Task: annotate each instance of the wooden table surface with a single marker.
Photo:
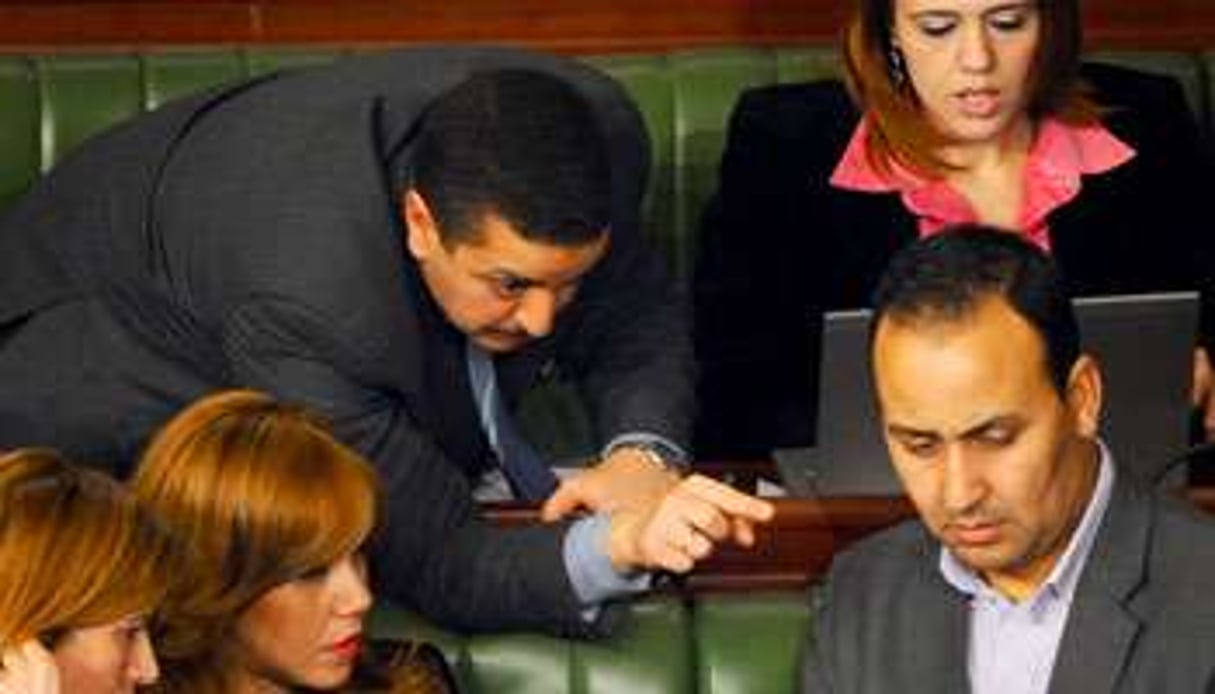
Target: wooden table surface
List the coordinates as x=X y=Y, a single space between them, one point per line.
x=797 y=547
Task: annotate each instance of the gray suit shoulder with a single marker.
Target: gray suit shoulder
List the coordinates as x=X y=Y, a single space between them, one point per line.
x=1183 y=547
x=896 y=545
x=880 y=567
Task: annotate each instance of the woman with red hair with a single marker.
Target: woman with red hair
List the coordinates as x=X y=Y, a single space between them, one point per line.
x=952 y=111
x=82 y=568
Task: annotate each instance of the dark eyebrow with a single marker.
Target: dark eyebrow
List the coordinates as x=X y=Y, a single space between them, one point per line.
x=522 y=282
x=905 y=431
x=1010 y=6
x=973 y=432
x=942 y=14
x=502 y=275
x=1008 y=420
x=951 y=14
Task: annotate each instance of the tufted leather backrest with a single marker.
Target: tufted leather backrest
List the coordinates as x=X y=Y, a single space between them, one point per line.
x=49 y=103
x=716 y=644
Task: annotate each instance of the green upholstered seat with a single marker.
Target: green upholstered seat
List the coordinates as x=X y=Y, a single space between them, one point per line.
x=724 y=644
x=50 y=103
x=749 y=644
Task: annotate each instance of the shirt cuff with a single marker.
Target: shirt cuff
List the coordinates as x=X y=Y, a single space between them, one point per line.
x=672 y=455
x=589 y=567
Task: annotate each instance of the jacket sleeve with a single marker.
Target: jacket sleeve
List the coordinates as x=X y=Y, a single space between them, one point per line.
x=629 y=345
x=431 y=553
x=627 y=340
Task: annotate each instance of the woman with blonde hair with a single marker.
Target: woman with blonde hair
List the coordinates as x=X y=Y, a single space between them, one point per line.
x=951 y=112
x=82 y=566
x=273 y=512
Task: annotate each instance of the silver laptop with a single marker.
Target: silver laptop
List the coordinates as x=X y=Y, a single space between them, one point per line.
x=1144 y=343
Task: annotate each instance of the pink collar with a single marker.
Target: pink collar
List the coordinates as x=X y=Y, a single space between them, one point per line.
x=1060 y=156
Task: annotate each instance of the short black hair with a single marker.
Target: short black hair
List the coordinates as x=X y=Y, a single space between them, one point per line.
x=947 y=276
x=521 y=144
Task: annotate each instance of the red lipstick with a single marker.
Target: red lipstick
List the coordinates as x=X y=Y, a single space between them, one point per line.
x=348 y=648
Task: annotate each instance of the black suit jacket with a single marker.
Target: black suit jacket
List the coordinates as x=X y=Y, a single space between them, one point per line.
x=779 y=245
x=250 y=237
x=1141 y=620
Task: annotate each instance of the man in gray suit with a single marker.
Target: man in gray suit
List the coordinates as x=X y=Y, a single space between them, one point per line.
x=1036 y=565
x=403 y=243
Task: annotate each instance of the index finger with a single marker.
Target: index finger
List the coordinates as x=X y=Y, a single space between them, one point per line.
x=728 y=499
x=567 y=499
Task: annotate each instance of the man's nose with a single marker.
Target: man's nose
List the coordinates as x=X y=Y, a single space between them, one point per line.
x=962 y=488
x=536 y=312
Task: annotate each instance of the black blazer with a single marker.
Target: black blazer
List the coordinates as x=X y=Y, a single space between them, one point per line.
x=250 y=237
x=779 y=245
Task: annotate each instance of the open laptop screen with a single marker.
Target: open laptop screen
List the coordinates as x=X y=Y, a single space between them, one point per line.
x=1143 y=343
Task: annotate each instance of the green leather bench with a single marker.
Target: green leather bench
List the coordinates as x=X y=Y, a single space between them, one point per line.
x=722 y=644
x=672 y=643
x=49 y=103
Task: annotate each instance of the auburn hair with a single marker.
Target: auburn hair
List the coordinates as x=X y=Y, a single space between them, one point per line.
x=259 y=493
x=76 y=550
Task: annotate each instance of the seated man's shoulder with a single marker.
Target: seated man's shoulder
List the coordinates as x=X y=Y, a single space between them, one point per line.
x=1184 y=542
x=1173 y=601
x=882 y=560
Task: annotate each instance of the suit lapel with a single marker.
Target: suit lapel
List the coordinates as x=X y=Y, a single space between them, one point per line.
x=435 y=380
x=1102 y=627
x=932 y=653
x=930 y=632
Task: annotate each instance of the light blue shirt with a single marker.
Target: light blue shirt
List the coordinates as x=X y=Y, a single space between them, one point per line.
x=590 y=569
x=1012 y=645
x=587 y=563
x=584 y=548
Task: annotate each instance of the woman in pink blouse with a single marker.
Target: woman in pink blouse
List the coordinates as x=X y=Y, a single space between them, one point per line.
x=953 y=111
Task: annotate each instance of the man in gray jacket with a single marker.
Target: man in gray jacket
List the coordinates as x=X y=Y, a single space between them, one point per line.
x=1036 y=564
x=403 y=243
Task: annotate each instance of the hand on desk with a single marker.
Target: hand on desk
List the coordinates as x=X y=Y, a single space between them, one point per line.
x=627 y=478
x=28 y=669
x=681 y=527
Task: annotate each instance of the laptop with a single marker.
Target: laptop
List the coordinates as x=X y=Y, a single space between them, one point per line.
x=1143 y=342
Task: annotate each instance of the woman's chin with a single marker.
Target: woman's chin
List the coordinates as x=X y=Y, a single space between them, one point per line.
x=326 y=677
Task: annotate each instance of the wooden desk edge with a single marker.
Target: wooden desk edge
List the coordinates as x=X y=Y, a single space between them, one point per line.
x=796 y=549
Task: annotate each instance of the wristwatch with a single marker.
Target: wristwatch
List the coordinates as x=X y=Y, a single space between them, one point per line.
x=657 y=452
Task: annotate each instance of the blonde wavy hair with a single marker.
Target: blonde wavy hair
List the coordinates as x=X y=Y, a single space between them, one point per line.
x=259 y=493
x=76 y=550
